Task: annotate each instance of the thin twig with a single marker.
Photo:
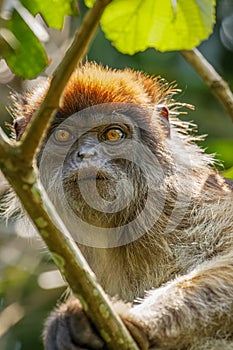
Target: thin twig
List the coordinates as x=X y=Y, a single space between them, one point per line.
x=77 y=50
x=217 y=84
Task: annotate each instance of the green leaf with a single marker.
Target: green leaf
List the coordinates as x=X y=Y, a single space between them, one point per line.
x=165 y=25
x=28 y=58
x=53 y=11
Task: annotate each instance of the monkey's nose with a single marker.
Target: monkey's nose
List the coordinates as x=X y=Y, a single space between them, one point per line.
x=86 y=153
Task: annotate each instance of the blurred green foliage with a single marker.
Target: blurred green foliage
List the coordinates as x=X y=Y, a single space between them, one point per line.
x=24 y=304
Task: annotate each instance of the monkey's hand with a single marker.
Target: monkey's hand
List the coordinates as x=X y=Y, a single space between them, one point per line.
x=68 y=328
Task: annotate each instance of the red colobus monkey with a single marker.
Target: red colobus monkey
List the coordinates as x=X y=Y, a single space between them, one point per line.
x=152 y=217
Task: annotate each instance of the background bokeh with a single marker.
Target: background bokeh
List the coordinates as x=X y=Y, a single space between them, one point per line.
x=28 y=278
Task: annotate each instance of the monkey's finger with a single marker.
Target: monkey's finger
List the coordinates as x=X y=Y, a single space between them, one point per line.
x=138 y=335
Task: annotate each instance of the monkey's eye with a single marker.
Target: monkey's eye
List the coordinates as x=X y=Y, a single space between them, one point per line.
x=63 y=135
x=113 y=135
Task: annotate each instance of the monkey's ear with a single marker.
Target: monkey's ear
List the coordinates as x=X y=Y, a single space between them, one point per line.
x=163 y=113
x=19 y=126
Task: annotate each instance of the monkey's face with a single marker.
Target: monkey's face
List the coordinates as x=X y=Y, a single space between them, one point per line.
x=96 y=164
x=98 y=177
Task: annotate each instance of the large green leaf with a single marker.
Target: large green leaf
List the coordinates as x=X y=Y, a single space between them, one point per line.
x=53 y=11
x=28 y=58
x=165 y=25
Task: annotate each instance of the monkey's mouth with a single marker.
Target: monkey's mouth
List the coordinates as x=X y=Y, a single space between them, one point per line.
x=84 y=182
x=94 y=177
x=85 y=175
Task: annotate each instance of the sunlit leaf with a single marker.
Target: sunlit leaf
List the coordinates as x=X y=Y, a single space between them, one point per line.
x=53 y=11
x=134 y=26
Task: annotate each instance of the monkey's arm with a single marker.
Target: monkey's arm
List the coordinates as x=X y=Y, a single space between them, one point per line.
x=194 y=306
x=191 y=309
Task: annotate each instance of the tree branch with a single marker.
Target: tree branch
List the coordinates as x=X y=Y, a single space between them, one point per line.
x=217 y=84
